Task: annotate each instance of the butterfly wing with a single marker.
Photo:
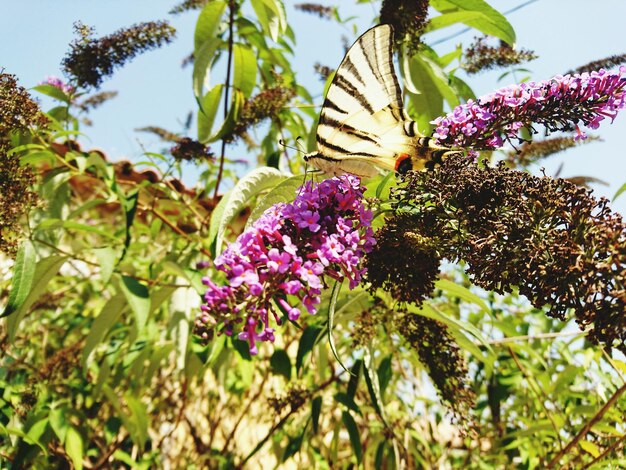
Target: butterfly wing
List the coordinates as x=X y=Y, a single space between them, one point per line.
x=362 y=124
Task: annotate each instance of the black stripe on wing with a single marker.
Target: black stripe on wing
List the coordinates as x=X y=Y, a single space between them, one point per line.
x=349 y=66
x=345 y=128
x=394 y=78
x=343 y=83
x=323 y=144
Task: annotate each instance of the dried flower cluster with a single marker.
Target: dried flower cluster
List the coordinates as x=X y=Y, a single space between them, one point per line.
x=267 y=104
x=549 y=238
x=441 y=356
x=323 y=71
x=367 y=322
x=187 y=149
x=408 y=18
x=91 y=60
x=18 y=114
x=480 y=56
x=322 y=11
x=409 y=260
x=291 y=400
x=96 y=100
x=282 y=259
x=560 y=103
x=606 y=63
x=162 y=133
x=531 y=152
x=188 y=5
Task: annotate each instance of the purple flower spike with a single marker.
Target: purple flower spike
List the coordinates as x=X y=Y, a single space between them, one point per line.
x=559 y=104
x=281 y=261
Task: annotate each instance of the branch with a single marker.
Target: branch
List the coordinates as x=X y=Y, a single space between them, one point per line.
x=607 y=451
x=231 y=21
x=283 y=421
x=588 y=426
x=512 y=339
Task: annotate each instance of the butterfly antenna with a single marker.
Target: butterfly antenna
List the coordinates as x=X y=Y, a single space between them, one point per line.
x=300 y=149
x=284 y=144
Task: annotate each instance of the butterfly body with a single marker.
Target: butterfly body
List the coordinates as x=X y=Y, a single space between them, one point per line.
x=363 y=127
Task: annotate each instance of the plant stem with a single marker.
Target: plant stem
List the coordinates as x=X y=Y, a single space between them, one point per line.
x=231 y=21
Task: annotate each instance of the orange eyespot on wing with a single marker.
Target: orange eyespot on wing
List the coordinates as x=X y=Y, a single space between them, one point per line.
x=403 y=163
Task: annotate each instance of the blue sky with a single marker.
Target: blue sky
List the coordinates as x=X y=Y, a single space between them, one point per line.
x=155 y=90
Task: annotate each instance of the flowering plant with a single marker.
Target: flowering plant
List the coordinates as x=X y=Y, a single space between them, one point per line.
x=559 y=103
x=283 y=258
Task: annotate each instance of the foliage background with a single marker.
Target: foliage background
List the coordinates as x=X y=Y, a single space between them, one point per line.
x=99 y=368
x=564 y=38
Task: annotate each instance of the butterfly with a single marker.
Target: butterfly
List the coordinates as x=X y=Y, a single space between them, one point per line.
x=363 y=126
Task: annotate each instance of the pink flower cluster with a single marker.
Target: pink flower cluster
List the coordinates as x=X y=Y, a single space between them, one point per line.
x=559 y=104
x=280 y=261
x=58 y=83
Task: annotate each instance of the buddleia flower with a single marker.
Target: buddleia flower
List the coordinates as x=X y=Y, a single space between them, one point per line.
x=283 y=261
x=562 y=103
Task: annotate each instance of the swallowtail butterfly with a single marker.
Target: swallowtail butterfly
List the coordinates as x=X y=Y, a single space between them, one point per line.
x=363 y=125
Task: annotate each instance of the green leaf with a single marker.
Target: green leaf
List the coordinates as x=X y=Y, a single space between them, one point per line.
x=234 y=201
x=36 y=432
x=355 y=376
x=619 y=192
x=307 y=341
x=294 y=445
x=462 y=292
x=271 y=16
x=347 y=401
x=194 y=277
x=106 y=257
x=138 y=420
x=331 y=320
x=372 y=385
x=138 y=298
x=476 y=14
x=33 y=158
x=74 y=447
x=461 y=88
x=53 y=92
x=59 y=422
x=208 y=24
x=242 y=348
x=51 y=224
x=590 y=448
x=201 y=67
x=245 y=67
x=424 y=98
x=45 y=270
x=90 y=204
x=426 y=69
x=380 y=453
x=23 y=275
x=280 y=363
x=353 y=432
x=236 y=104
x=384 y=374
x=316 y=408
x=122 y=414
x=283 y=192
x=103 y=323
x=129 y=205
x=208 y=110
